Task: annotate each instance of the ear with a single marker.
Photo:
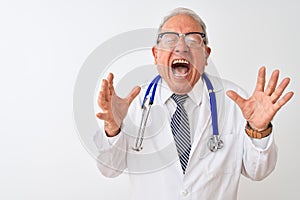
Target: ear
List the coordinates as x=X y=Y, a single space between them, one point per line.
x=154 y=53
x=207 y=53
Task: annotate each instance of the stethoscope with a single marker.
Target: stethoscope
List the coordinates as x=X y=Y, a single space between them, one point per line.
x=214 y=142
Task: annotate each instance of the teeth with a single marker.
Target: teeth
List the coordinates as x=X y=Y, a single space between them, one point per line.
x=180 y=61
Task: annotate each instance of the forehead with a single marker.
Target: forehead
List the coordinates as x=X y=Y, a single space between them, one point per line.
x=182 y=24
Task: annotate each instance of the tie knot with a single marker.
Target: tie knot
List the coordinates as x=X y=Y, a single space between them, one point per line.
x=179 y=99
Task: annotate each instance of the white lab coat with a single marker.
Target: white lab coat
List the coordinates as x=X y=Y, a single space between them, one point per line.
x=155 y=172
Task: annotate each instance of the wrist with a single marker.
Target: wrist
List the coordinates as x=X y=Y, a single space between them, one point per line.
x=256 y=128
x=111 y=129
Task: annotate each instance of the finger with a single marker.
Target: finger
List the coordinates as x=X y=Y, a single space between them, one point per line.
x=261 y=79
x=110 y=79
x=101 y=100
x=134 y=92
x=107 y=91
x=279 y=90
x=102 y=116
x=104 y=89
x=283 y=100
x=236 y=98
x=272 y=83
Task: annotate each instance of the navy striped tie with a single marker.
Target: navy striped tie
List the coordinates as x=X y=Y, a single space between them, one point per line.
x=181 y=130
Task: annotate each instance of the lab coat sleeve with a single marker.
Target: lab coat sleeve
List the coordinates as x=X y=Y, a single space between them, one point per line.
x=111 y=159
x=113 y=151
x=259 y=162
x=259 y=155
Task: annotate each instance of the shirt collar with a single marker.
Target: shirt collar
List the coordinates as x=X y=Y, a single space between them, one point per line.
x=195 y=94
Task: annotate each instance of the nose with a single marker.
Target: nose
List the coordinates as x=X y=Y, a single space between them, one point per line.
x=181 y=46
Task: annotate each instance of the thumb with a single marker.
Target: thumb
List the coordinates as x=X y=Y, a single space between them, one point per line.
x=134 y=92
x=236 y=98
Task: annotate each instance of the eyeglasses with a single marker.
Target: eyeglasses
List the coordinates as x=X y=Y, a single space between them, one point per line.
x=171 y=39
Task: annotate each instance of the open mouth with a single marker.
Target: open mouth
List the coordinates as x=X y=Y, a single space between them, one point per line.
x=180 y=67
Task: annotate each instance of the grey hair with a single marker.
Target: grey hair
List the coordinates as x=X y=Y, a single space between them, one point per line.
x=188 y=12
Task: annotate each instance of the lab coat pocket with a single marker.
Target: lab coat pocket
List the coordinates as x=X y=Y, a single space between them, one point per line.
x=224 y=160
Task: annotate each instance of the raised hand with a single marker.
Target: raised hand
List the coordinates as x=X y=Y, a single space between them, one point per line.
x=114 y=108
x=262 y=106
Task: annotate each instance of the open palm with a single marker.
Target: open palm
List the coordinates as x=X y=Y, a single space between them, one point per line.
x=114 y=108
x=264 y=103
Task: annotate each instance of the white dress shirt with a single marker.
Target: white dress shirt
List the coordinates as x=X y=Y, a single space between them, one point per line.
x=155 y=172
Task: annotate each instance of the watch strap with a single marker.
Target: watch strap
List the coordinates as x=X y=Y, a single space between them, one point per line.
x=258 y=134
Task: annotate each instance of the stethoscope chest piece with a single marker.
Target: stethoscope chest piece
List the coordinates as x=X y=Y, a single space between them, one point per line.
x=139 y=148
x=215 y=143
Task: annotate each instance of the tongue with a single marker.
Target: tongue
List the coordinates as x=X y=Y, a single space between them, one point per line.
x=180 y=70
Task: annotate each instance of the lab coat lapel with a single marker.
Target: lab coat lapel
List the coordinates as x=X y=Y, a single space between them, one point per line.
x=220 y=99
x=205 y=118
x=204 y=121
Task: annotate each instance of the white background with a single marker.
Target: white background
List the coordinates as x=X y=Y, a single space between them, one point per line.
x=43 y=45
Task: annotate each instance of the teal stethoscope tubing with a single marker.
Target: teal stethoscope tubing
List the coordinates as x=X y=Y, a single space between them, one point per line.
x=214 y=142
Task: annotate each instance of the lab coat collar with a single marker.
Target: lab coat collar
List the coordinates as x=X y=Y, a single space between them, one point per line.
x=216 y=82
x=165 y=91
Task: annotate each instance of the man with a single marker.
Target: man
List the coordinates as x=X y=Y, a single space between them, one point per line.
x=176 y=162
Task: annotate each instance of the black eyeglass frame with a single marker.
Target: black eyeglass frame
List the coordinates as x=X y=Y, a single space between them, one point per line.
x=160 y=35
